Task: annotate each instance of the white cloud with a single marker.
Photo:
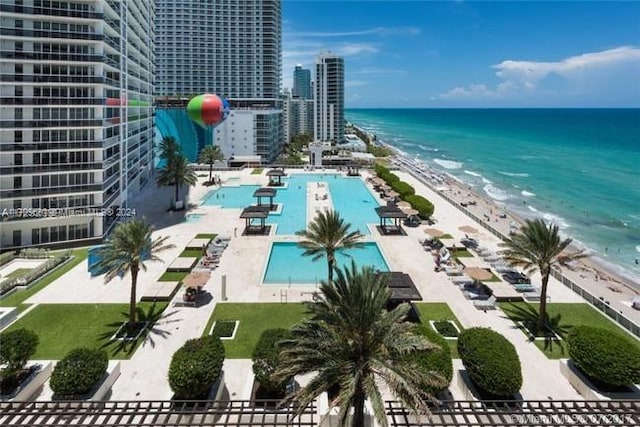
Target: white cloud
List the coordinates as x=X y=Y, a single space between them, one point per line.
x=520 y=77
x=355 y=83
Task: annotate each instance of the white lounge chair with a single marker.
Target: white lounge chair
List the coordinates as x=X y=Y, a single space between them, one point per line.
x=488 y=304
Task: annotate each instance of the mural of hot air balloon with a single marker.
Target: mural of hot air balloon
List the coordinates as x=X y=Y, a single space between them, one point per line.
x=208 y=110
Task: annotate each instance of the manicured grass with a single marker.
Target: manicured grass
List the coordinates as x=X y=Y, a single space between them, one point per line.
x=206 y=236
x=257 y=171
x=565 y=316
x=63 y=327
x=445 y=236
x=494 y=278
x=439 y=311
x=462 y=253
x=191 y=253
x=254 y=318
x=17 y=297
x=17 y=273
x=173 y=276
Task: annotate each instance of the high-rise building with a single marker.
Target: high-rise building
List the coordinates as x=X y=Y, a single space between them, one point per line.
x=299 y=117
x=329 y=98
x=76 y=124
x=301 y=83
x=232 y=48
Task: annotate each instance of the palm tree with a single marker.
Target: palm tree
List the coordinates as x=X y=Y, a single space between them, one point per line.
x=177 y=172
x=538 y=246
x=210 y=154
x=328 y=234
x=126 y=250
x=351 y=340
x=169 y=148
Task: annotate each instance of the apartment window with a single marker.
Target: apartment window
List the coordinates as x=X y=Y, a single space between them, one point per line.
x=18 y=113
x=17 y=182
x=18 y=69
x=17 y=159
x=35 y=236
x=19 y=23
x=17 y=204
x=18 y=91
x=17 y=136
x=19 y=46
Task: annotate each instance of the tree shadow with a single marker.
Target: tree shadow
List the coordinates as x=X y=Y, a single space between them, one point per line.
x=525 y=317
x=153 y=318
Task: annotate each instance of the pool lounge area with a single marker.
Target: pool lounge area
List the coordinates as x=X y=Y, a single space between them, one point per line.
x=350 y=197
x=280 y=270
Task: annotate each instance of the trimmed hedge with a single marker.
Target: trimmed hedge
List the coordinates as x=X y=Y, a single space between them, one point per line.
x=446 y=328
x=424 y=207
x=491 y=362
x=402 y=188
x=195 y=367
x=437 y=360
x=604 y=356
x=16 y=348
x=78 y=372
x=266 y=358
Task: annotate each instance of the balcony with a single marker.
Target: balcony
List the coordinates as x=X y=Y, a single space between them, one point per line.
x=51 y=101
x=50 y=34
x=52 y=56
x=59 y=167
x=34 y=192
x=50 y=11
x=51 y=78
x=8 y=124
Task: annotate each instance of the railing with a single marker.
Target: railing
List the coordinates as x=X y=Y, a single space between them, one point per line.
x=622 y=320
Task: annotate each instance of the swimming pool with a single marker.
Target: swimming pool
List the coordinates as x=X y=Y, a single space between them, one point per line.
x=350 y=197
x=286 y=265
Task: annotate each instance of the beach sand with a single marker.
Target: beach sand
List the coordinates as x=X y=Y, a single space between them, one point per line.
x=590 y=275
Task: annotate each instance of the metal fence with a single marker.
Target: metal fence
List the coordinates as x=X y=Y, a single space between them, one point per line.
x=622 y=320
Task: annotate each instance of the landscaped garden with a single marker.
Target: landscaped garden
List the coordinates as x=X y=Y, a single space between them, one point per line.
x=16 y=298
x=63 y=327
x=438 y=311
x=562 y=317
x=254 y=319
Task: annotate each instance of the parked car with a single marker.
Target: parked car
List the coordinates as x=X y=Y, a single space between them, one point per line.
x=515 y=278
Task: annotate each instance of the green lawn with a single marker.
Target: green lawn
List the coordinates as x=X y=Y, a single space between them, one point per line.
x=257 y=171
x=206 y=236
x=191 y=253
x=254 y=318
x=563 y=316
x=17 y=273
x=445 y=236
x=439 y=311
x=16 y=298
x=462 y=253
x=173 y=276
x=63 y=327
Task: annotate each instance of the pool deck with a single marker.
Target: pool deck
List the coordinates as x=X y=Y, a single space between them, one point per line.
x=144 y=375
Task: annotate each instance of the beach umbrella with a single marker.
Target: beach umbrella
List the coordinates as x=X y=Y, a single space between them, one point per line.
x=468 y=229
x=196 y=279
x=477 y=273
x=410 y=212
x=404 y=205
x=434 y=232
x=392 y=193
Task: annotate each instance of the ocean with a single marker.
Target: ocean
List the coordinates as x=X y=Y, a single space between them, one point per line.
x=577 y=167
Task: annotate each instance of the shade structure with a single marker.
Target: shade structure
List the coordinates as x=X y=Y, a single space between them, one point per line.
x=196 y=279
x=378 y=181
x=391 y=193
x=477 y=273
x=468 y=229
x=384 y=187
x=434 y=232
x=403 y=205
x=410 y=212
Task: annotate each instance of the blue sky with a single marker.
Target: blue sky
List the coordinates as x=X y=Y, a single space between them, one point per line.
x=471 y=53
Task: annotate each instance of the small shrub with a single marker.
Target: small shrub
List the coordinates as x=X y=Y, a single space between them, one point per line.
x=436 y=360
x=16 y=348
x=266 y=358
x=423 y=206
x=604 y=356
x=7 y=257
x=402 y=188
x=195 y=367
x=491 y=362
x=445 y=328
x=79 y=371
x=224 y=328
x=380 y=169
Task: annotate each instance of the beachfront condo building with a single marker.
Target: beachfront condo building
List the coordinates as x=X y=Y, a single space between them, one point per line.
x=329 y=98
x=301 y=83
x=298 y=117
x=77 y=116
x=232 y=48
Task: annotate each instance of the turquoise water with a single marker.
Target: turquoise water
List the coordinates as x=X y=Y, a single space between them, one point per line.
x=350 y=198
x=304 y=271
x=577 y=167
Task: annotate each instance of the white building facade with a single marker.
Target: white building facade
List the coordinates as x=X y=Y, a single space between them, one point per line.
x=77 y=116
x=329 y=98
x=232 y=48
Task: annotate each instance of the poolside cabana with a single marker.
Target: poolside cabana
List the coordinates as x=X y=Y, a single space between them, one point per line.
x=353 y=169
x=402 y=288
x=275 y=177
x=265 y=192
x=251 y=213
x=386 y=213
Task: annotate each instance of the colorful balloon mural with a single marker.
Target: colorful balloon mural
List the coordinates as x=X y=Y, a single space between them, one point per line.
x=208 y=110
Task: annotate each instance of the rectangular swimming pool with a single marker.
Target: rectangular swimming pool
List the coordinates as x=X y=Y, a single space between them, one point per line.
x=287 y=266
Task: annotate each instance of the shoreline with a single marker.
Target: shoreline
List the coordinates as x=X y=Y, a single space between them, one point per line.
x=486 y=210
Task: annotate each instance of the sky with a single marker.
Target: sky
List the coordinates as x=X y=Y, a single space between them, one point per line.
x=470 y=53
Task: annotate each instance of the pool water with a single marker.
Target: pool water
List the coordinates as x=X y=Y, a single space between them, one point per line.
x=286 y=264
x=350 y=197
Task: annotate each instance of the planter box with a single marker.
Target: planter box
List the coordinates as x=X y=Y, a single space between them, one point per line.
x=100 y=390
x=115 y=337
x=433 y=326
x=587 y=389
x=471 y=392
x=233 y=334
x=31 y=385
x=553 y=336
